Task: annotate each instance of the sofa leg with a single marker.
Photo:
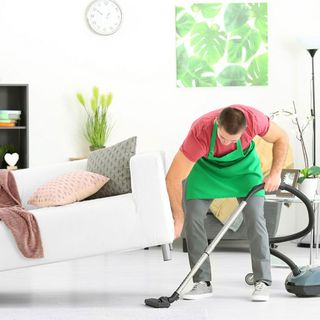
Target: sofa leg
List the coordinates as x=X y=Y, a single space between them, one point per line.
x=166 y=252
x=184 y=245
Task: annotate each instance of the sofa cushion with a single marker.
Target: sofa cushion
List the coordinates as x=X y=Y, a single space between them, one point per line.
x=113 y=162
x=68 y=188
x=264 y=150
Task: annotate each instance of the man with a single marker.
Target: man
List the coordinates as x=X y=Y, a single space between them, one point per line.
x=218 y=160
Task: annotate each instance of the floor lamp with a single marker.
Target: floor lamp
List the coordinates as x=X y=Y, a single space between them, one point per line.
x=311 y=44
x=313 y=106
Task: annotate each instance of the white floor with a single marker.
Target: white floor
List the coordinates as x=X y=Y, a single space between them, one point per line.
x=115 y=286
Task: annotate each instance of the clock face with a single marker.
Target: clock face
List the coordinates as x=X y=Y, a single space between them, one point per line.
x=104 y=16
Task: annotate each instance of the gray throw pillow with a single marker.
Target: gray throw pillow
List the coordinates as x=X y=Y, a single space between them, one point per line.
x=113 y=162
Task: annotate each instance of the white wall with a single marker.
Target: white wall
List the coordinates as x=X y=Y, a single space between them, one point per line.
x=49 y=45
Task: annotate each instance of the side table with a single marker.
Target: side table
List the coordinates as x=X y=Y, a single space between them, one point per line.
x=315 y=231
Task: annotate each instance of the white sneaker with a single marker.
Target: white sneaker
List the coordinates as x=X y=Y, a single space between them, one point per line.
x=199 y=291
x=261 y=292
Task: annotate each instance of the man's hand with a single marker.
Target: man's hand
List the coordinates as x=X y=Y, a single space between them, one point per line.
x=272 y=182
x=178 y=225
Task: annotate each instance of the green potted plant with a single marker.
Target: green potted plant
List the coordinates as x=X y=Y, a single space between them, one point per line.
x=98 y=125
x=308 y=180
x=312 y=172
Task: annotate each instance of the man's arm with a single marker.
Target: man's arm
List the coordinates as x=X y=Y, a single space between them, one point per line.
x=178 y=171
x=280 y=140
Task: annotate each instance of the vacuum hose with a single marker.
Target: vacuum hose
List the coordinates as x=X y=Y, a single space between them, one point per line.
x=303 y=198
x=295 y=269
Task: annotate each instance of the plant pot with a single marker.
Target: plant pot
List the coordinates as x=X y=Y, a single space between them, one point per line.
x=309 y=187
x=93 y=148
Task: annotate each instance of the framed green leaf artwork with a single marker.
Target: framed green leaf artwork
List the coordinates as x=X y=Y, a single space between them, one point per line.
x=222 y=44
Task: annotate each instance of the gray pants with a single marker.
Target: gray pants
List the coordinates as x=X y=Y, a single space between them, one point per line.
x=253 y=214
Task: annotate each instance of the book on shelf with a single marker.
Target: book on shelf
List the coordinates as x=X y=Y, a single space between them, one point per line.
x=9 y=118
x=10 y=114
x=7 y=124
x=10 y=111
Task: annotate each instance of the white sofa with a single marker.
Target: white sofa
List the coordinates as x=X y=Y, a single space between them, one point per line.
x=125 y=222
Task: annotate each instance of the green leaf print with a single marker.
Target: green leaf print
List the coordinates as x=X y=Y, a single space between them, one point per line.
x=182 y=61
x=207 y=10
x=196 y=73
x=208 y=43
x=179 y=9
x=222 y=44
x=243 y=44
x=235 y=16
x=259 y=12
x=233 y=75
x=258 y=70
x=184 y=24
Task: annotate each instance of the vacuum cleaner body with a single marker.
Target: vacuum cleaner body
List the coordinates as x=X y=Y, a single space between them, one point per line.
x=305 y=284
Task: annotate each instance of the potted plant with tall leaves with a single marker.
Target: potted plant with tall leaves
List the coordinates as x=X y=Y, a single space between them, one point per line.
x=98 y=124
x=308 y=180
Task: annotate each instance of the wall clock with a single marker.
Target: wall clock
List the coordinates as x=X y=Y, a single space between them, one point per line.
x=104 y=16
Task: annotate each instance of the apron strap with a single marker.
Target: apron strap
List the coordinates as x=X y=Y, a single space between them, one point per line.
x=213 y=139
x=239 y=145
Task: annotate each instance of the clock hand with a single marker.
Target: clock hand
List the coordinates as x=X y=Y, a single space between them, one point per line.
x=99 y=11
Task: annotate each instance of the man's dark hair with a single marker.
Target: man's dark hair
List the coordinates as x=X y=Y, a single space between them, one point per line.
x=232 y=120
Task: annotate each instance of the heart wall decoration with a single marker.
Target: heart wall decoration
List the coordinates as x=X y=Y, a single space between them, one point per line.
x=11 y=159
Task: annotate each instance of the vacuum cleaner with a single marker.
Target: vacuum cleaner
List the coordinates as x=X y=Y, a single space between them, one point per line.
x=302 y=281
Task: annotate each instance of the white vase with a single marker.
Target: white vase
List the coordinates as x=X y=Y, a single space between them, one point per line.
x=309 y=187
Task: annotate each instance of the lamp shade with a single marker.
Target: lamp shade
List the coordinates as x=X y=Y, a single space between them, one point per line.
x=310 y=41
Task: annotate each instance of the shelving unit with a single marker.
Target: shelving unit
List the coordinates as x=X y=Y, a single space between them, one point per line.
x=15 y=97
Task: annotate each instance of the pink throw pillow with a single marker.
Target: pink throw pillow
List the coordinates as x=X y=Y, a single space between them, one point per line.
x=68 y=188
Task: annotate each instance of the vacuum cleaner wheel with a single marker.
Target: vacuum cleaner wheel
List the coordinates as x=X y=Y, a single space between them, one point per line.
x=249 y=279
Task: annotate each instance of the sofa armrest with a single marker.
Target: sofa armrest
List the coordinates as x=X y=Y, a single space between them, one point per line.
x=28 y=180
x=150 y=195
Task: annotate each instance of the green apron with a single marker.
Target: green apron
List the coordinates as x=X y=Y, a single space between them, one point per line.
x=229 y=176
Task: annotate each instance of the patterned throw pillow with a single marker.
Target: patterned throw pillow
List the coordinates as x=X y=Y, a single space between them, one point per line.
x=68 y=188
x=113 y=162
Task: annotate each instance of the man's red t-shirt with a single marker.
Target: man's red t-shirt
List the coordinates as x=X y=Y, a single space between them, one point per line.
x=197 y=142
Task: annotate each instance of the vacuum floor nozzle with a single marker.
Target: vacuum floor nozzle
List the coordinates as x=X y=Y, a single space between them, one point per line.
x=162 y=302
